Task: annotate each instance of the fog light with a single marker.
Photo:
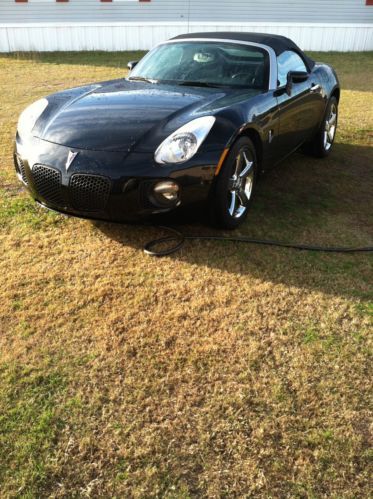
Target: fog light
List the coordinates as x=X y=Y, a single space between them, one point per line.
x=168 y=190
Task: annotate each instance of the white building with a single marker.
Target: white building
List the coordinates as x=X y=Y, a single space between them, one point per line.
x=45 y=25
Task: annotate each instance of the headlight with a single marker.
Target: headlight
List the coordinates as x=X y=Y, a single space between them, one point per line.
x=183 y=144
x=29 y=116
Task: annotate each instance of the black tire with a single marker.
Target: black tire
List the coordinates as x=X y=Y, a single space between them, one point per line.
x=241 y=158
x=321 y=144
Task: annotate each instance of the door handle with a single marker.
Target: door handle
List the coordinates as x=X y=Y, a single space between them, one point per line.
x=315 y=87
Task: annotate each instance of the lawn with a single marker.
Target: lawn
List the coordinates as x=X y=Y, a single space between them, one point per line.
x=225 y=370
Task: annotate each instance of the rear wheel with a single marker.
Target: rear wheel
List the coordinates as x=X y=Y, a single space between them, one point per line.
x=234 y=187
x=322 y=143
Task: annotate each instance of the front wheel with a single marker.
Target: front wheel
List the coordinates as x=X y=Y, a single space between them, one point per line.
x=234 y=187
x=322 y=143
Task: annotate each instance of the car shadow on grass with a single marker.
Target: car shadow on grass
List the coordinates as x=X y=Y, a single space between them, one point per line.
x=304 y=200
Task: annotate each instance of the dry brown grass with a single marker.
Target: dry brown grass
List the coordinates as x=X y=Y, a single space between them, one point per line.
x=222 y=371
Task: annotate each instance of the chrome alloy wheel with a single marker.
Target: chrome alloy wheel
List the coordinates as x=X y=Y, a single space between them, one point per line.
x=330 y=127
x=241 y=183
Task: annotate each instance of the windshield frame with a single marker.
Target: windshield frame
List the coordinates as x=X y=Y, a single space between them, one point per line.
x=272 y=77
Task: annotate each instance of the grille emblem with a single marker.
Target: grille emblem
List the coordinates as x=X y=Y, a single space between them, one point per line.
x=70 y=158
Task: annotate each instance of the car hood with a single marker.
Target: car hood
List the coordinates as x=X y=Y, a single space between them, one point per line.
x=120 y=115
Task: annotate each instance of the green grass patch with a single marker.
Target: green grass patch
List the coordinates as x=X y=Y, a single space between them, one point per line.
x=30 y=423
x=20 y=210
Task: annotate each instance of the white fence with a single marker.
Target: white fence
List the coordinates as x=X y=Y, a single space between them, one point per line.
x=133 y=36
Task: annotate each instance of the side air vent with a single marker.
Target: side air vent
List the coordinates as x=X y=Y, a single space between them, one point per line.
x=89 y=192
x=20 y=168
x=47 y=182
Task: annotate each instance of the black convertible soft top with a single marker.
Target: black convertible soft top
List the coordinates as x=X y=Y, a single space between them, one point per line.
x=277 y=42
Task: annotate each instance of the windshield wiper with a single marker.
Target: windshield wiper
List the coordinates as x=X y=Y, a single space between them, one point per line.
x=142 y=78
x=192 y=83
x=187 y=83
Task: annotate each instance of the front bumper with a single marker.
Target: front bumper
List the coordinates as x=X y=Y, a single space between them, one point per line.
x=115 y=186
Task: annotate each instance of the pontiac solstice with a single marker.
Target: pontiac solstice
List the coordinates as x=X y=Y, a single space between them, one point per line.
x=195 y=122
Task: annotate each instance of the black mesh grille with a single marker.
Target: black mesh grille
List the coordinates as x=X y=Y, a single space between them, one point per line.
x=21 y=169
x=89 y=192
x=47 y=182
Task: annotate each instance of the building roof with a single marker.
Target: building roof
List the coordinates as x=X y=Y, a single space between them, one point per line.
x=278 y=43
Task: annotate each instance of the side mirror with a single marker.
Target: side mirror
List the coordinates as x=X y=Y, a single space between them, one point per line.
x=131 y=65
x=298 y=76
x=295 y=77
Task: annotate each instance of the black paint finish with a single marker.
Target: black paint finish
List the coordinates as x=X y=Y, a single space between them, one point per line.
x=116 y=126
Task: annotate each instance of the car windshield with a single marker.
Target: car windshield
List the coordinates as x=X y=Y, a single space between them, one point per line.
x=205 y=64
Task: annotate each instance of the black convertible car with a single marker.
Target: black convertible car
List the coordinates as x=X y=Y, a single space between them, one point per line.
x=198 y=118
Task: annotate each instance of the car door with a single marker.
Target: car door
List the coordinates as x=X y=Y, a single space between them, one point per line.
x=300 y=110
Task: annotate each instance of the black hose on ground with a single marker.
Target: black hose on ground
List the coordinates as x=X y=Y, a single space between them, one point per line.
x=179 y=239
